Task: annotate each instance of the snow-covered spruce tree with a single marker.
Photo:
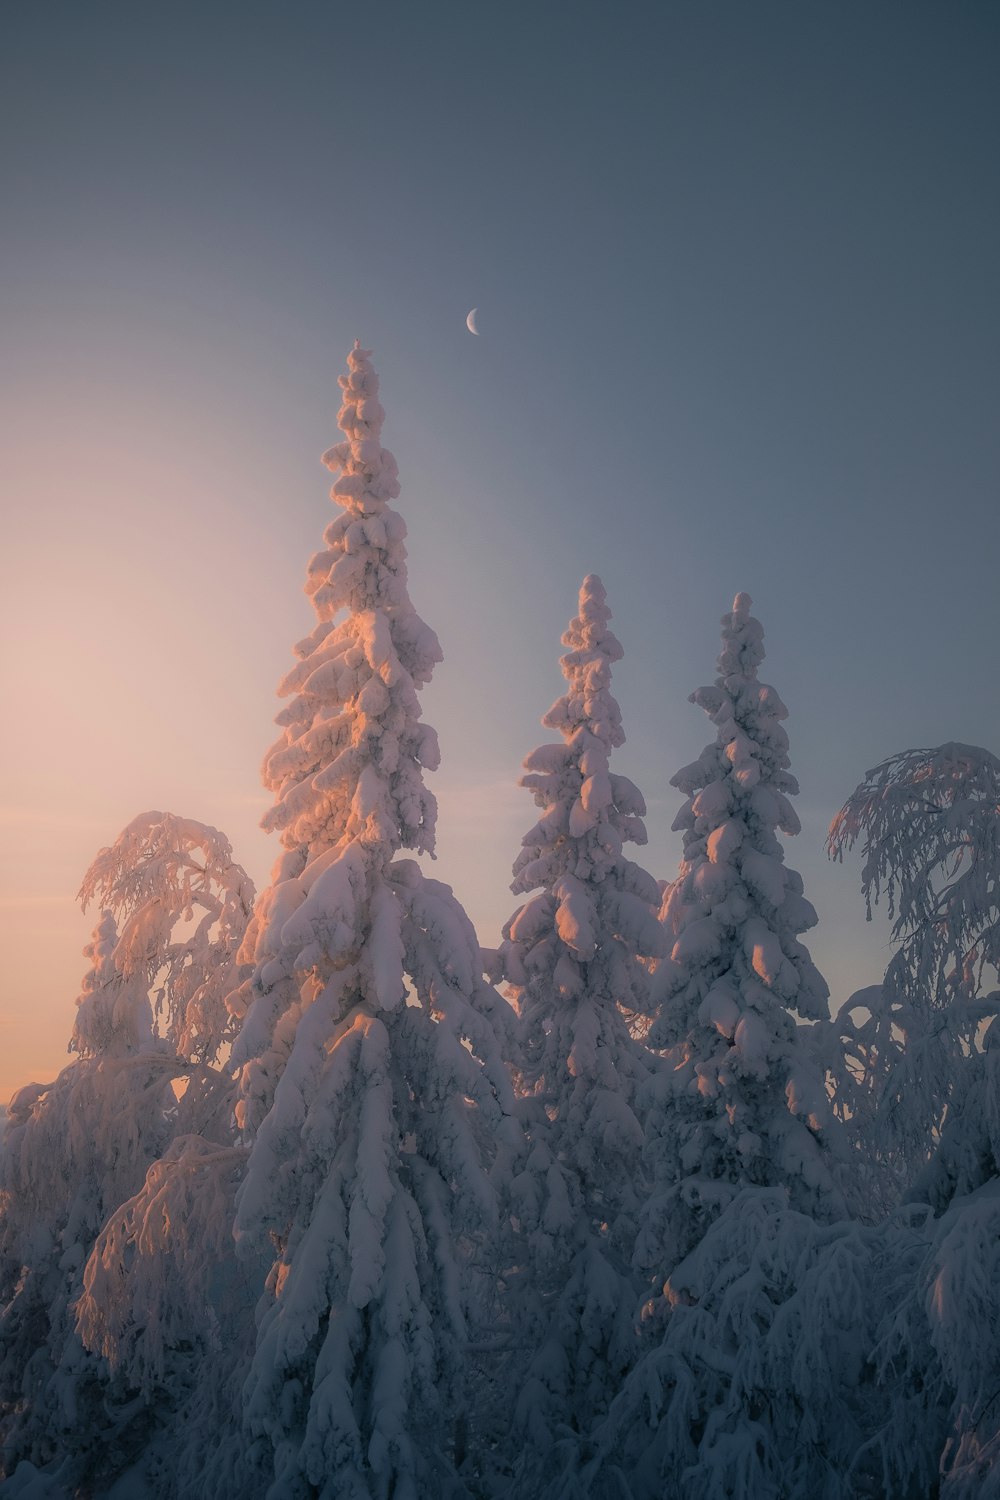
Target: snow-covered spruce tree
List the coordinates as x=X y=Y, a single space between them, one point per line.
x=574 y=955
x=929 y=825
x=74 y=1150
x=751 y=1382
x=741 y=1103
x=373 y=1092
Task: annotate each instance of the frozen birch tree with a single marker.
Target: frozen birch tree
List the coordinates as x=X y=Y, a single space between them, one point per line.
x=182 y=904
x=940 y=1306
x=762 y=1287
x=854 y=1051
x=372 y=1089
x=574 y=955
x=174 y=909
x=168 y=1307
x=929 y=825
x=74 y=1150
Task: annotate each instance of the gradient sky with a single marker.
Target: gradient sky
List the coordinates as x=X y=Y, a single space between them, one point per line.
x=736 y=265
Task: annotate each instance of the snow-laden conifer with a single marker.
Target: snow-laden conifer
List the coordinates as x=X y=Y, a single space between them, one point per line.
x=764 y=1291
x=575 y=956
x=372 y=1088
x=741 y=1102
x=73 y=1151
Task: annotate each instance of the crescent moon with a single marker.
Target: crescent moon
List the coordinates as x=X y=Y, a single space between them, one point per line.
x=470 y=321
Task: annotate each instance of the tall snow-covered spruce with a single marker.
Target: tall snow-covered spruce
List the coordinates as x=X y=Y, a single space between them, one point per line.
x=574 y=955
x=372 y=1088
x=741 y=1104
x=748 y=1385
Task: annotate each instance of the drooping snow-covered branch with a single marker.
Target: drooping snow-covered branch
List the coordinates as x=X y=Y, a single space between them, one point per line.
x=929 y=825
x=74 y=1149
x=182 y=905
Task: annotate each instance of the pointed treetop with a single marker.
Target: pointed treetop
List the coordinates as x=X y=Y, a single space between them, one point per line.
x=368 y=474
x=350 y=761
x=588 y=706
x=742 y=644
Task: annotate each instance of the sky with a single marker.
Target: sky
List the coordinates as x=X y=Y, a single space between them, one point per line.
x=736 y=272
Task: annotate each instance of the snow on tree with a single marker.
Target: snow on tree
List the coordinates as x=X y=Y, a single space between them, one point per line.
x=183 y=905
x=937 y=1348
x=170 y=1310
x=854 y=1051
x=758 y=1385
x=79 y=1148
x=762 y=1286
x=74 y=1150
x=741 y=1103
x=929 y=825
x=372 y=1088
x=575 y=957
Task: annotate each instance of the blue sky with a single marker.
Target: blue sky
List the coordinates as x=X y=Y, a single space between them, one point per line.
x=736 y=271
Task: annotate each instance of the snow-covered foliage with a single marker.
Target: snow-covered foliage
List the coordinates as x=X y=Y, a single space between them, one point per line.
x=763 y=1284
x=315 y=1214
x=574 y=955
x=372 y=1090
x=73 y=1151
x=182 y=905
x=741 y=1102
x=929 y=825
x=169 y=1306
x=757 y=1386
x=854 y=1050
x=937 y=1348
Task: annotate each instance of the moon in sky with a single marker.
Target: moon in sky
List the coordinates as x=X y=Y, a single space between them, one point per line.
x=470 y=321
